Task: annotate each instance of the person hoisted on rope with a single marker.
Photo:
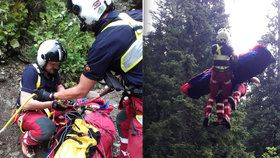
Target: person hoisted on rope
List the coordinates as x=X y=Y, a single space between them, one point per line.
x=221 y=76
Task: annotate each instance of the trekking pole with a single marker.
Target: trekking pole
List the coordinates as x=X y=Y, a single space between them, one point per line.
x=15 y=114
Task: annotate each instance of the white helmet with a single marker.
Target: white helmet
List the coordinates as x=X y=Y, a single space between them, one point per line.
x=255 y=81
x=50 y=50
x=223 y=36
x=89 y=11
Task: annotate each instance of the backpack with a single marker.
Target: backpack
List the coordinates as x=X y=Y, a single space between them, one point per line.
x=78 y=141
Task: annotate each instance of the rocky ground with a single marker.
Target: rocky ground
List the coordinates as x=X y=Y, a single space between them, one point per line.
x=10 y=75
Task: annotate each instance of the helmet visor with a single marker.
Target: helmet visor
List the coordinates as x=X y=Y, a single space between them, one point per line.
x=57 y=55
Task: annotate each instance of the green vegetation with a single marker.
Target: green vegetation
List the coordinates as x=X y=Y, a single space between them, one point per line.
x=12 y=18
x=25 y=24
x=180 y=45
x=57 y=23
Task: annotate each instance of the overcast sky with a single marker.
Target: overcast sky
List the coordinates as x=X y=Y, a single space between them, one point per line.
x=247 y=20
x=148 y=6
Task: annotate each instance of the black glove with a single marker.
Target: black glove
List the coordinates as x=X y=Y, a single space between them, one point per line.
x=57 y=105
x=44 y=95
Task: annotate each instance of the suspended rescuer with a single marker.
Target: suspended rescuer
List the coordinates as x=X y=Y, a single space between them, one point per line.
x=221 y=76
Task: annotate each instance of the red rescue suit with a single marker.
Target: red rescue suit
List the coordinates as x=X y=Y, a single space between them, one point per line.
x=239 y=91
x=221 y=76
x=36 y=127
x=130 y=126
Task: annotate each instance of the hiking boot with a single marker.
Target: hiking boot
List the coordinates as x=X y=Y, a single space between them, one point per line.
x=206 y=122
x=232 y=102
x=27 y=150
x=226 y=123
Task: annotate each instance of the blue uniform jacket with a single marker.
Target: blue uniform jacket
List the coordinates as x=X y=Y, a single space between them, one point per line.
x=108 y=48
x=29 y=79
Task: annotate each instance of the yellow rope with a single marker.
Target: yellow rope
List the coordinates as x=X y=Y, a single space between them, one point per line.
x=15 y=114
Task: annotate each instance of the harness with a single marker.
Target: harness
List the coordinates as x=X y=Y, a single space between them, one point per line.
x=38 y=84
x=221 y=62
x=134 y=54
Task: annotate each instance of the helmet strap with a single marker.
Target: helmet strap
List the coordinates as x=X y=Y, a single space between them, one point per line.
x=93 y=27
